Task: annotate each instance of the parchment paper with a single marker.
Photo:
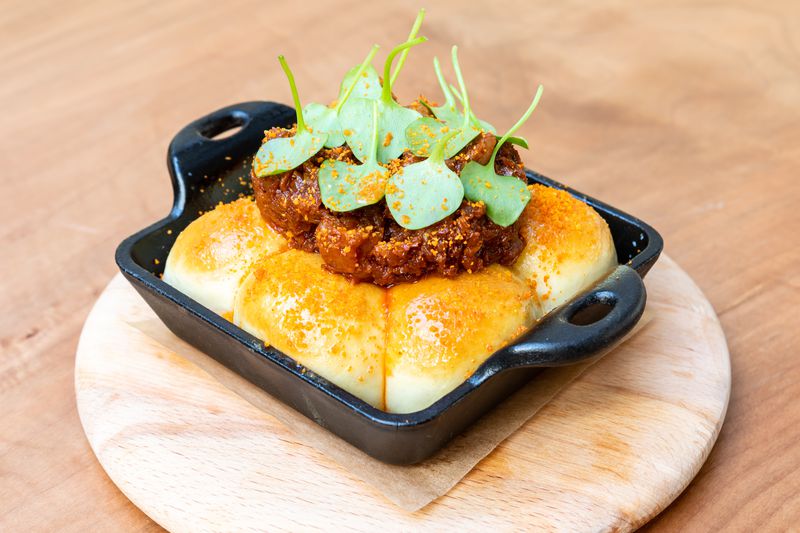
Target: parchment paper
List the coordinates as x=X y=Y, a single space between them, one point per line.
x=410 y=487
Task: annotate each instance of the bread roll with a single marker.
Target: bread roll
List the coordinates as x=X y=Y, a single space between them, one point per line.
x=568 y=246
x=399 y=349
x=214 y=252
x=333 y=327
x=441 y=330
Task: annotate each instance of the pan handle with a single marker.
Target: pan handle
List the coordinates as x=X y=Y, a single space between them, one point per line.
x=594 y=320
x=195 y=149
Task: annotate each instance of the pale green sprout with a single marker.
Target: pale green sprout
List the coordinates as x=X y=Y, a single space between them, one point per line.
x=424 y=193
x=423 y=133
x=325 y=119
x=519 y=141
x=411 y=36
x=522 y=142
x=368 y=84
x=482 y=124
x=504 y=196
x=285 y=153
x=447 y=112
x=344 y=186
x=393 y=119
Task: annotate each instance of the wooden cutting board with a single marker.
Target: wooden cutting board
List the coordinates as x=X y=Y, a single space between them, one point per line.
x=609 y=452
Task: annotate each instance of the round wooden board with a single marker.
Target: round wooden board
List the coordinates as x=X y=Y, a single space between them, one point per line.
x=609 y=452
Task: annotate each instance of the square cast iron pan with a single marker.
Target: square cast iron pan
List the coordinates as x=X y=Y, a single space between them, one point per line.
x=206 y=171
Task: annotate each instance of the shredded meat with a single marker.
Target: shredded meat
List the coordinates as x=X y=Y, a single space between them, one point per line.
x=367 y=244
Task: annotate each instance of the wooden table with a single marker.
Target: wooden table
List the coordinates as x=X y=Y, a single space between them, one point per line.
x=684 y=113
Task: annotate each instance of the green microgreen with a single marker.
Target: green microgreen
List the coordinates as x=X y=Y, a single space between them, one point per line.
x=504 y=196
x=448 y=112
x=411 y=36
x=325 y=119
x=367 y=84
x=344 y=186
x=285 y=153
x=482 y=124
x=426 y=131
x=519 y=141
x=424 y=193
x=393 y=119
x=522 y=142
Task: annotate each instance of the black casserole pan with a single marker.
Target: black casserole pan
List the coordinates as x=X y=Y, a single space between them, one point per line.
x=206 y=171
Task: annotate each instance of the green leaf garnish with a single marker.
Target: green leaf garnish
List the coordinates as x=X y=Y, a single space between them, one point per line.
x=504 y=196
x=424 y=132
x=285 y=153
x=447 y=112
x=411 y=36
x=482 y=124
x=322 y=119
x=344 y=186
x=325 y=119
x=393 y=119
x=424 y=193
x=519 y=141
x=367 y=84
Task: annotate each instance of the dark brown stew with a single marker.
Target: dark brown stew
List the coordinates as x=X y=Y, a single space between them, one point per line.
x=367 y=244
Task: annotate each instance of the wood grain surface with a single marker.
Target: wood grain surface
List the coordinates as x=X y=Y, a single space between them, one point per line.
x=610 y=451
x=686 y=113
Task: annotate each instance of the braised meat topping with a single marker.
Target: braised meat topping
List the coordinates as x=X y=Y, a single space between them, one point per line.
x=367 y=244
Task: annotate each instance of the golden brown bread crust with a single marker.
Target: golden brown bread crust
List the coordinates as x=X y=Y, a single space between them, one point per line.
x=404 y=347
x=569 y=246
x=441 y=330
x=212 y=255
x=331 y=326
